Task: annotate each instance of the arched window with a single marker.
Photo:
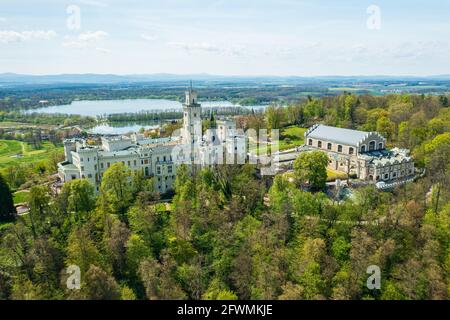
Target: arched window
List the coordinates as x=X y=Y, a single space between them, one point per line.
x=371 y=145
x=351 y=150
x=310 y=142
x=319 y=144
x=329 y=146
x=363 y=148
x=339 y=148
x=380 y=146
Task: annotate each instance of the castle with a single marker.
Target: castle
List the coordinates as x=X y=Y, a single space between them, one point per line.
x=356 y=153
x=157 y=157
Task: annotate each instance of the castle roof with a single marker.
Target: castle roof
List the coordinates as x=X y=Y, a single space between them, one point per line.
x=337 y=135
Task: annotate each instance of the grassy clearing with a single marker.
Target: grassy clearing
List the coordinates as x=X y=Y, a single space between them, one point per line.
x=13 y=152
x=10 y=124
x=290 y=137
x=332 y=175
x=21 y=197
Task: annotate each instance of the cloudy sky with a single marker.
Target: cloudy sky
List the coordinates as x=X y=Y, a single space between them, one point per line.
x=227 y=37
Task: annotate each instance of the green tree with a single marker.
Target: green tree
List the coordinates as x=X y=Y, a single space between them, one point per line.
x=311 y=168
x=7 y=209
x=77 y=196
x=438 y=164
x=116 y=189
x=98 y=285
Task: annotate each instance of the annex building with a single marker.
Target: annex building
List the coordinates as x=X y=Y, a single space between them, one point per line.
x=359 y=153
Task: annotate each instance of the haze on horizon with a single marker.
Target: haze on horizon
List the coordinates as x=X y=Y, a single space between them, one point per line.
x=232 y=37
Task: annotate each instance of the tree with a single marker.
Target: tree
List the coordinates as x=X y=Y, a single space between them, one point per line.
x=7 y=209
x=116 y=190
x=98 y=285
x=311 y=168
x=39 y=208
x=385 y=127
x=81 y=250
x=77 y=196
x=437 y=162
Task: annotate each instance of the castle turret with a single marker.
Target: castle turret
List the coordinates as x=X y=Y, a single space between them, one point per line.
x=192 y=121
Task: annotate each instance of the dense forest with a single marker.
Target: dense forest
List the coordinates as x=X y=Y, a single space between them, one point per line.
x=228 y=234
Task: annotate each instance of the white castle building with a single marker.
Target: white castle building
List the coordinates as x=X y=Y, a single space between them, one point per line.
x=158 y=157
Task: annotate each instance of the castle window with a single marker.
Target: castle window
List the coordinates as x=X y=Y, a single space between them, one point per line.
x=339 y=148
x=363 y=148
x=310 y=142
x=380 y=146
x=134 y=162
x=329 y=146
x=129 y=163
x=164 y=158
x=108 y=164
x=101 y=165
x=371 y=145
x=350 y=150
x=319 y=144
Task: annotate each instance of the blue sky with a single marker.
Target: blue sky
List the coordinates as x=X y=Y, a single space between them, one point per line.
x=227 y=37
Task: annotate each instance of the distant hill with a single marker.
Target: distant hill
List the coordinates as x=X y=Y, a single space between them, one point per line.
x=18 y=79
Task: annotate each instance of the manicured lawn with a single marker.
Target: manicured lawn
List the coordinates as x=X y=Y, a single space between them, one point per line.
x=13 y=152
x=291 y=137
x=332 y=175
x=21 y=197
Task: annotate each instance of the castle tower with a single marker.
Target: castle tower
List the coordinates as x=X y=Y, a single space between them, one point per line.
x=192 y=121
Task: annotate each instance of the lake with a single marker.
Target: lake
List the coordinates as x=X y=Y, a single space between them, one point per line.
x=102 y=107
x=95 y=108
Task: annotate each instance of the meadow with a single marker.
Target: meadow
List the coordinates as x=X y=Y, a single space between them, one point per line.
x=14 y=152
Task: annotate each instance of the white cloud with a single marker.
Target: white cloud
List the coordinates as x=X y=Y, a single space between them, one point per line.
x=148 y=37
x=103 y=50
x=83 y=40
x=10 y=36
x=204 y=46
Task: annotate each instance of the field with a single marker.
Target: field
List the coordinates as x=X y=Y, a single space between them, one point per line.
x=21 y=197
x=332 y=175
x=291 y=137
x=15 y=125
x=13 y=152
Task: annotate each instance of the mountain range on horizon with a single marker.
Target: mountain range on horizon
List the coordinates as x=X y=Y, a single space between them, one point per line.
x=91 y=78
